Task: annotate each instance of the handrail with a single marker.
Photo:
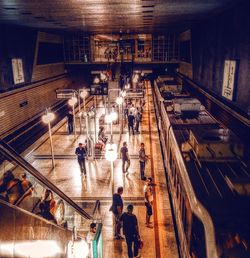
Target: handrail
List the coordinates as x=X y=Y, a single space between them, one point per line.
x=96 y=208
x=8 y=151
x=32 y=214
x=243 y=118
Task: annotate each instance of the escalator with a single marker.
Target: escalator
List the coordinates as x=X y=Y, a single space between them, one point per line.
x=36 y=218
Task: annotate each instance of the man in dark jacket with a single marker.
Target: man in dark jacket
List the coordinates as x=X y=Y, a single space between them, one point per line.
x=81 y=153
x=131 y=231
x=117 y=208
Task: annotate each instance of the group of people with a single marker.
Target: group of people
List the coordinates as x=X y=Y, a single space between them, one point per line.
x=134 y=117
x=143 y=158
x=128 y=221
x=20 y=191
x=111 y=54
x=13 y=189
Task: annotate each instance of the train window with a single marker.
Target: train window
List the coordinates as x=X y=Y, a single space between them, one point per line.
x=197 y=243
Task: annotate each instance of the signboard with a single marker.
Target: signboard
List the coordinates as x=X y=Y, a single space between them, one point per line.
x=64 y=94
x=99 y=89
x=17 y=68
x=229 y=79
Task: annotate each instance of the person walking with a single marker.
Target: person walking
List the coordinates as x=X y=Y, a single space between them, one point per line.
x=148 y=194
x=131 y=231
x=70 y=119
x=81 y=153
x=117 y=208
x=125 y=157
x=131 y=120
x=142 y=159
x=137 y=120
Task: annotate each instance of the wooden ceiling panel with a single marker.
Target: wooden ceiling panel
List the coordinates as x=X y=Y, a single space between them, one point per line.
x=107 y=15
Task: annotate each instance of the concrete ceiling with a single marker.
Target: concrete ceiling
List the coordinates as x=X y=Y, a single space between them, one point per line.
x=109 y=16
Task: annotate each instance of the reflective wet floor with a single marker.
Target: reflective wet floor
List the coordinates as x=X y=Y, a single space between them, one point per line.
x=159 y=241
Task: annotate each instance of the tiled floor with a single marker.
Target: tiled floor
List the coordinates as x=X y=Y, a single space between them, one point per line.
x=159 y=241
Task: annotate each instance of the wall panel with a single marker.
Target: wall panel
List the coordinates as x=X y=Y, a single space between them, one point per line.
x=225 y=37
x=38 y=97
x=41 y=72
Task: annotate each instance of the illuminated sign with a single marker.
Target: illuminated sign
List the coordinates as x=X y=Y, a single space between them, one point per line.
x=229 y=79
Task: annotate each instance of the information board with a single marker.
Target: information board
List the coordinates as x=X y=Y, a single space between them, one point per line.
x=17 y=68
x=229 y=79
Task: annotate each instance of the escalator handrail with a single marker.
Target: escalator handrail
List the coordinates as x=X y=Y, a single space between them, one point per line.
x=96 y=208
x=8 y=151
x=13 y=206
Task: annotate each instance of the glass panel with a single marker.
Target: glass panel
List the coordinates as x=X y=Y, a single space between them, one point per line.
x=20 y=188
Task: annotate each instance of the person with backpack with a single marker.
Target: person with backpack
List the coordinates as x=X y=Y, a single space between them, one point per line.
x=131 y=231
x=81 y=153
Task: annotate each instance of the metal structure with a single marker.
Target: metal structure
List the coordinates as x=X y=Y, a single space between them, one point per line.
x=108 y=16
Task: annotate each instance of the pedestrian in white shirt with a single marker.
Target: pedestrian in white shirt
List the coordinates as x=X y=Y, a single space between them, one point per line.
x=90 y=237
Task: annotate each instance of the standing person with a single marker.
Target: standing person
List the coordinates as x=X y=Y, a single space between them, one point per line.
x=90 y=237
x=142 y=158
x=126 y=111
x=125 y=157
x=149 y=198
x=131 y=120
x=81 y=153
x=137 y=120
x=70 y=118
x=117 y=208
x=131 y=231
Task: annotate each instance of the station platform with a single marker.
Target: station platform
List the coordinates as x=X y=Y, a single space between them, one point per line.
x=159 y=241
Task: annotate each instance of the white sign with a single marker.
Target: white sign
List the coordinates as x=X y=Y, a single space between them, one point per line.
x=17 y=68
x=228 y=79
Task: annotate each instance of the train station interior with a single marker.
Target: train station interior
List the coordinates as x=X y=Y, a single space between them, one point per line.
x=125 y=128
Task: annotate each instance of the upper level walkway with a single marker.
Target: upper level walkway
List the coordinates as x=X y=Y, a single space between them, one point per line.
x=160 y=241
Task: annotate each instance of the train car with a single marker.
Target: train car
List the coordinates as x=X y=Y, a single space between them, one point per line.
x=208 y=181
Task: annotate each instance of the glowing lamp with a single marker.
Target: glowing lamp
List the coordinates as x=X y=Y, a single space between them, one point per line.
x=111 y=152
x=113 y=116
x=83 y=93
x=77 y=249
x=48 y=117
x=123 y=93
x=119 y=100
x=108 y=119
x=127 y=86
x=72 y=101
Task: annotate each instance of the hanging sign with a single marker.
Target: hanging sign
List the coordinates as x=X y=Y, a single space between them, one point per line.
x=229 y=79
x=17 y=68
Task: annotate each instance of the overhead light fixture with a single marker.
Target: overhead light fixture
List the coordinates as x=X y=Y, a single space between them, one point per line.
x=96 y=80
